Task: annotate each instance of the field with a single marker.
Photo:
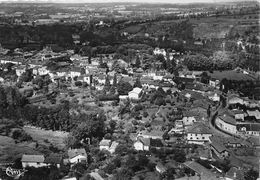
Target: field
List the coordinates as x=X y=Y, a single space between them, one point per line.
x=45 y=137
x=9 y=150
x=231 y=75
x=212 y=27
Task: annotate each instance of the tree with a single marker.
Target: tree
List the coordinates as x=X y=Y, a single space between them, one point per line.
x=198 y=62
x=121 y=149
x=107 y=84
x=205 y=77
x=124 y=88
x=114 y=85
x=137 y=62
x=138 y=83
x=92 y=127
x=169 y=174
x=78 y=83
x=251 y=175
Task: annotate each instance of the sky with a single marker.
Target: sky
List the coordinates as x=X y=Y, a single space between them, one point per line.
x=140 y=1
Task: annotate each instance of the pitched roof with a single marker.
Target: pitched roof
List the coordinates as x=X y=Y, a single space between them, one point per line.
x=136 y=90
x=32 y=158
x=156 y=142
x=199 y=128
x=105 y=142
x=235 y=173
x=217 y=144
x=145 y=141
x=74 y=152
x=201 y=170
x=53 y=159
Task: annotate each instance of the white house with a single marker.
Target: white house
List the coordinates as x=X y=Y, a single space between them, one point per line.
x=61 y=73
x=226 y=123
x=33 y=161
x=135 y=93
x=238 y=114
x=43 y=70
x=113 y=146
x=214 y=97
x=198 y=134
x=20 y=70
x=142 y=144
x=160 y=168
x=77 y=155
x=104 y=144
x=75 y=72
x=154 y=134
x=188 y=121
x=158 y=51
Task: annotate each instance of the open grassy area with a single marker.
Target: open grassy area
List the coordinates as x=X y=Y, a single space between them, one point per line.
x=45 y=137
x=9 y=150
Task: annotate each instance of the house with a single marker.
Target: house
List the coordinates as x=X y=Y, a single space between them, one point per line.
x=20 y=70
x=235 y=142
x=158 y=51
x=214 y=97
x=226 y=123
x=75 y=72
x=238 y=114
x=113 y=146
x=199 y=133
x=142 y=144
x=218 y=147
x=251 y=129
x=189 y=118
x=235 y=173
x=232 y=101
x=104 y=144
x=135 y=93
x=33 y=161
x=253 y=114
x=154 y=134
x=42 y=71
x=77 y=155
x=201 y=171
x=214 y=82
x=160 y=168
x=54 y=159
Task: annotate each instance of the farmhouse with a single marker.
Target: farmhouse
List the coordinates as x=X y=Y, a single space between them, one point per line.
x=33 y=161
x=135 y=93
x=218 y=147
x=77 y=155
x=198 y=134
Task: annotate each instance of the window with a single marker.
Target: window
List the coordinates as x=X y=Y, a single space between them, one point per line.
x=203 y=137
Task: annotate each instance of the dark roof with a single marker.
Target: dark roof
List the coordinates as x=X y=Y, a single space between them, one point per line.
x=53 y=159
x=199 y=128
x=201 y=170
x=235 y=173
x=74 y=152
x=217 y=144
x=156 y=142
